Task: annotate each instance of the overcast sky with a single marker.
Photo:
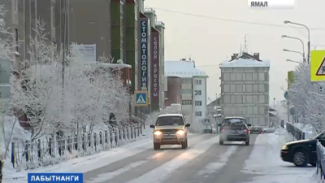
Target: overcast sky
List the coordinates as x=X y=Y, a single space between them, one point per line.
x=211 y=41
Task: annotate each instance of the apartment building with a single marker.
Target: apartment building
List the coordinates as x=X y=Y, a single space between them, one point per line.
x=245 y=88
x=194 y=87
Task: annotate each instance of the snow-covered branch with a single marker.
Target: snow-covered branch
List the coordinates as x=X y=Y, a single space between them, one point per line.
x=304 y=95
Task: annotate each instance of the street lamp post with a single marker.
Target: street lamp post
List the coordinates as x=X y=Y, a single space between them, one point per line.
x=302 y=43
x=299 y=24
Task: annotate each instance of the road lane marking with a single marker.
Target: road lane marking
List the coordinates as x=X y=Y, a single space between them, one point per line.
x=114 y=156
x=216 y=166
x=160 y=173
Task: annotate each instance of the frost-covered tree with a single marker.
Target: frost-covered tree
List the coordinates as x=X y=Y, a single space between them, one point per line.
x=309 y=103
x=82 y=99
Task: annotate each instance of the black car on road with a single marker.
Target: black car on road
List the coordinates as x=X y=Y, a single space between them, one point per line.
x=234 y=129
x=302 y=152
x=256 y=130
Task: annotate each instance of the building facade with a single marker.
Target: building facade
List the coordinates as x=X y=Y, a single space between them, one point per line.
x=173 y=94
x=200 y=97
x=193 y=88
x=245 y=88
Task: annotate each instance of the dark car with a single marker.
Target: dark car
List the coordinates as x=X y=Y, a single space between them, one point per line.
x=256 y=130
x=302 y=152
x=234 y=129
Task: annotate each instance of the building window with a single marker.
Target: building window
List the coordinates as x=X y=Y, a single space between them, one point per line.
x=198 y=113
x=198 y=103
x=186 y=81
x=198 y=92
x=186 y=91
x=186 y=102
x=198 y=82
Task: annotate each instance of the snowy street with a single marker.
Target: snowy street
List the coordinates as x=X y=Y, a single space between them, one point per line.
x=205 y=161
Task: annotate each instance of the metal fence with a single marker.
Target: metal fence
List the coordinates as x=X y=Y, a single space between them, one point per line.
x=28 y=155
x=320 y=160
x=295 y=132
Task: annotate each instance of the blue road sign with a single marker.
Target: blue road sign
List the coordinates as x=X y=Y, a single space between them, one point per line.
x=141 y=98
x=207 y=121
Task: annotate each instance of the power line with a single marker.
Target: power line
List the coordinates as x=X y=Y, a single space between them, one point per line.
x=236 y=21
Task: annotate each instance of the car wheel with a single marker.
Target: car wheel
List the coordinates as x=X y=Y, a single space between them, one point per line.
x=156 y=146
x=300 y=158
x=184 y=144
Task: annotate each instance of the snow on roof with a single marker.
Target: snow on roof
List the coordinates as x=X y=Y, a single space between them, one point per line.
x=245 y=63
x=183 y=69
x=110 y=65
x=245 y=60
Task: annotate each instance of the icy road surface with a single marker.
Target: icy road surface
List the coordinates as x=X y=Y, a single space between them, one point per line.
x=205 y=161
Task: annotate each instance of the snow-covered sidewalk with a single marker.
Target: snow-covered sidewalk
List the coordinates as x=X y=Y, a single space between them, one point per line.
x=266 y=163
x=85 y=163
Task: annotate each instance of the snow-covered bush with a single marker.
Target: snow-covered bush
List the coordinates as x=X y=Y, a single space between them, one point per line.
x=309 y=103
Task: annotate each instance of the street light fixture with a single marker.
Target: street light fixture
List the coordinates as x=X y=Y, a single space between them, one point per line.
x=289 y=60
x=303 y=44
x=295 y=52
x=303 y=25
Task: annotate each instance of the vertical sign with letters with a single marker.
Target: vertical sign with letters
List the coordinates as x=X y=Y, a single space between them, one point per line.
x=155 y=69
x=144 y=53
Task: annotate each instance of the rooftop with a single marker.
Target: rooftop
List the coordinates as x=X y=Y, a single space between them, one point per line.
x=182 y=69
x=245 y=60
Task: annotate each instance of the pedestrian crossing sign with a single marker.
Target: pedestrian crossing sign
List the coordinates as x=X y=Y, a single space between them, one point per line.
x=141 y=98
x=317 y=66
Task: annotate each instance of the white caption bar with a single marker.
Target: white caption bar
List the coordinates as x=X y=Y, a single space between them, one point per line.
x=271 y=4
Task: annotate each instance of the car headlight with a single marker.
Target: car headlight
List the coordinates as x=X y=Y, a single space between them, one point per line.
x=180 y=132
x=284 y=147
x=157 y=133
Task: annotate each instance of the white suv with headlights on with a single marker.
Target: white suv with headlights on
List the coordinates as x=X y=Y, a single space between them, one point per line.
x=170 y=129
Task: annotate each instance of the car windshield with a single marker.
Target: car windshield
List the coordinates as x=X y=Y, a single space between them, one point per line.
x=230 y=121
x=169 y=120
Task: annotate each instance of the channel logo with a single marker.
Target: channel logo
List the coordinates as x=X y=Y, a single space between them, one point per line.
x=271 y=4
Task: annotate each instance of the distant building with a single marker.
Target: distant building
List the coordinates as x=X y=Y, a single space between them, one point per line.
x=194 y=87
x=245 y=88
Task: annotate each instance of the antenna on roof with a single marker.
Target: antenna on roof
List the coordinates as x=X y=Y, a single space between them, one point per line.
x=245 y=47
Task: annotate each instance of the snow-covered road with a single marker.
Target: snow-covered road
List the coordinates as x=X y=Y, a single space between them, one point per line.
x=205 y=161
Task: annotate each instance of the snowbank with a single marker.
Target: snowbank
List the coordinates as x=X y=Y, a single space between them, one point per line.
x=266 y=162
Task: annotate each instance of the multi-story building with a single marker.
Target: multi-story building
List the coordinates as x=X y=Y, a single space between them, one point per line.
x=174 y=91
x=245 y=88
x=89 y=23
x=194 y=87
